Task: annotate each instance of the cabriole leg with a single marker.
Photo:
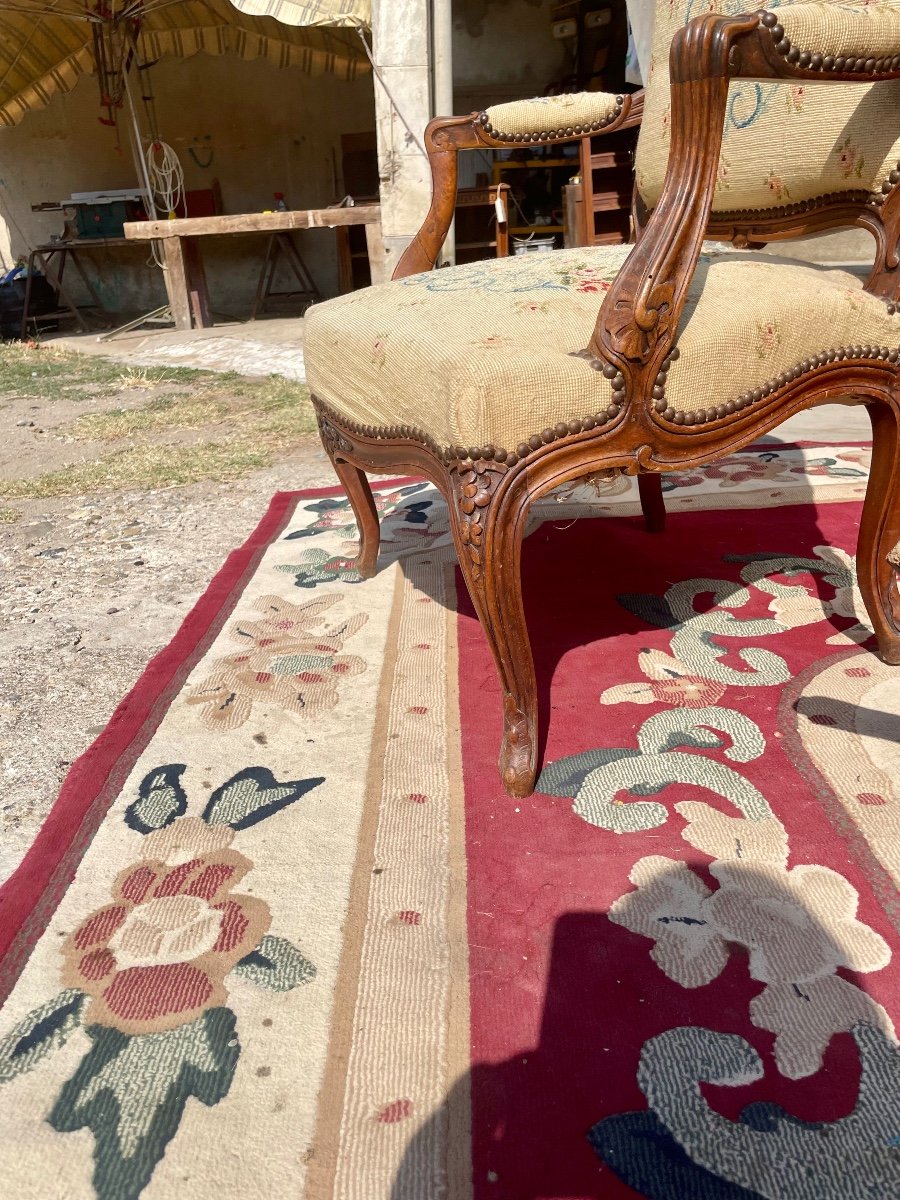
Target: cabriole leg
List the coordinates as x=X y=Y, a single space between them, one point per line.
x=488 y=534
x=879 y=530
x=652 y=503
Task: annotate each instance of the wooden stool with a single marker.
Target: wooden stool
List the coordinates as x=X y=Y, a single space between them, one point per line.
x=282 y=245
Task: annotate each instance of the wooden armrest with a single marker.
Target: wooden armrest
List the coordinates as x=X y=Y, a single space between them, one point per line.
x=446 y=136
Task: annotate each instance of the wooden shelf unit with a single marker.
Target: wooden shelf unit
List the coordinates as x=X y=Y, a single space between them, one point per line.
x=607 y=181
x=516 y=172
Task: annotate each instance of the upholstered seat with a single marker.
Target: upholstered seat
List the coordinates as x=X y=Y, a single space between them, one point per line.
x=434 y=351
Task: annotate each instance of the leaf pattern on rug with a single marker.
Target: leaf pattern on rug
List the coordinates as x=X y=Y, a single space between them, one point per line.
x=336 y=516
x=682 y=1143
x=147 y=976
x=595 y=779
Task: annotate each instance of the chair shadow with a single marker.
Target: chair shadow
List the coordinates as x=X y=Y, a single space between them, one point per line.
x=568 y=1118
x=560 y=624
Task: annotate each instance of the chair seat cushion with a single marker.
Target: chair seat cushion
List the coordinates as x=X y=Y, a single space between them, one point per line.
x=488 y=354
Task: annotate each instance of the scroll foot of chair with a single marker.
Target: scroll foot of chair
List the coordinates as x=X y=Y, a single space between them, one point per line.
x=518 y=750
x=359 y=493
x=878 y=570
x=652 y=503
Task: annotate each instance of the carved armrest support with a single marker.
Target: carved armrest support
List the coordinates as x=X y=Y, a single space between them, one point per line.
x=638 y=320
x=579 y=115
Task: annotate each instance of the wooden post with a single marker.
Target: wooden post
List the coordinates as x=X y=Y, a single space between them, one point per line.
x=375 y=246
x=176 y=282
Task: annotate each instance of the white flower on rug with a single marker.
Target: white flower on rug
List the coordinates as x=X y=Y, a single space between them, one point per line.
x=799 y=926
x=669 y=906
x=763 y=842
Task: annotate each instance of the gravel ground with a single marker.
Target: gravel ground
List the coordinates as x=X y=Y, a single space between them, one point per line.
x=92 y=587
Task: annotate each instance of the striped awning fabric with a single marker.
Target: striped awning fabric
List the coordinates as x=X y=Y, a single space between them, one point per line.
x=356 y=13
x=47 y=45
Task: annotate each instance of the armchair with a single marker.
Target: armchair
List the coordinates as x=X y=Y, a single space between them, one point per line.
x=500 y=381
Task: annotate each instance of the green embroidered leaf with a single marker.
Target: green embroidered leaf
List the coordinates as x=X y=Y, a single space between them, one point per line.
x=131 y=1092
x=252 y=795
x=293 y=664
x=565 y=776
x=276 y=964
x=161 y=799
x=43 y=1030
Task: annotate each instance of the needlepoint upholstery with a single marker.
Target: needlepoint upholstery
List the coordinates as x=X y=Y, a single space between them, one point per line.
x=546 y=114
x=487 y=354
x=783 y=142
x=863 y=31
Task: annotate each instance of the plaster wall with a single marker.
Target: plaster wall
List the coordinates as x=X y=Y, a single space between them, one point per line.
x=254 y=128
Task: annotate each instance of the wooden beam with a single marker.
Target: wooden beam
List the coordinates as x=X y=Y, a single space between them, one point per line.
x=274 y=222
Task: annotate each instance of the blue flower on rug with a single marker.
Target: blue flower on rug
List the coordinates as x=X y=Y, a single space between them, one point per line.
x=318 y=566
x=146 y=976
x=336 y=516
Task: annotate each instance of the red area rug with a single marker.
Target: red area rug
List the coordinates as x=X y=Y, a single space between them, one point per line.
x=284 y=934
x=679 y=946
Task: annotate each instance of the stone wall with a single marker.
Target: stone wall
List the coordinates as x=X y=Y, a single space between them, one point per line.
x=254 y=128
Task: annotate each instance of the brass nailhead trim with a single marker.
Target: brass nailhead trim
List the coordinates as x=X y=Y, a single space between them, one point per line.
x=549 y=135
x=460 y=455
x=704 y=415
x=810 y=60
x=813 y=61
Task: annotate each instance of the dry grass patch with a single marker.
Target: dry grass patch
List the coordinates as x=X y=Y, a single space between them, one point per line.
x=42 y=373
x=245 y=423
x=149 y=466
x=273 y=406
x=9 y=516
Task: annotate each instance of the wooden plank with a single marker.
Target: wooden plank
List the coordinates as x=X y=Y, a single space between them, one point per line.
x=274 y=222
x=177 y=283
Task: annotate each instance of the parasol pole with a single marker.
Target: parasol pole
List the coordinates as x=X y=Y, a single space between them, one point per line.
x=137 y=144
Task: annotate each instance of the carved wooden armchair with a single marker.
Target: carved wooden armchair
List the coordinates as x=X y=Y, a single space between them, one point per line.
x=500 y=381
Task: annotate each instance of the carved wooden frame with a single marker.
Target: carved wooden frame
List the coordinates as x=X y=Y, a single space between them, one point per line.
x=489 y=489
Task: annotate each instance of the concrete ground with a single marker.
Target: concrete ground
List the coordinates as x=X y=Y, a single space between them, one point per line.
x=271 y=345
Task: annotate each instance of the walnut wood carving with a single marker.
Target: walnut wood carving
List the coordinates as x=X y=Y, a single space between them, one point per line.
x=489 y=490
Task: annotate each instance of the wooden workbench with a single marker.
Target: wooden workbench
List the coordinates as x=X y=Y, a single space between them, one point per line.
x=180 y=238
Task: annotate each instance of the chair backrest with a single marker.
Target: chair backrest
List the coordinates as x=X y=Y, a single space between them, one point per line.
x=783 y=143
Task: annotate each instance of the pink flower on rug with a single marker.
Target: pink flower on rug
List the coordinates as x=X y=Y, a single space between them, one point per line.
x=157 y=956
x=671 y=682
x=289 y=658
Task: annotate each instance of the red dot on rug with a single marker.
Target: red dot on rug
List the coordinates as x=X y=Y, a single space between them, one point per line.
x=410 y=917
x=418 y=709
x=417 y=798
x=397 y=1110
x=871 y=798
x=822 y=719
x=858 y=672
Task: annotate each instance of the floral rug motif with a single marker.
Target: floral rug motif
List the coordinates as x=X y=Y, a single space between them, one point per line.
x=284 y=934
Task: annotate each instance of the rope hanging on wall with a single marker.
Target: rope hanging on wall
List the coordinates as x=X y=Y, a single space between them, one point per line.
x=166 y=176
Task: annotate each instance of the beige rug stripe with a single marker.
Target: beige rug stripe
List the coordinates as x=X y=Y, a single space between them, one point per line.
x=459 y=1056
x=323 y=1162
x=393 y=1138
x=861 y=764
